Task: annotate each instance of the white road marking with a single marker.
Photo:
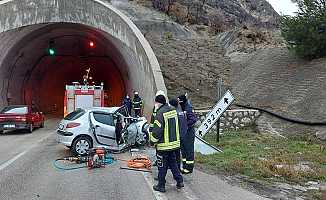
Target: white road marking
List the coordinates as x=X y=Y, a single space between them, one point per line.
x=186 y=191
x=4 y=1
x=150 y=183
x=9 y=162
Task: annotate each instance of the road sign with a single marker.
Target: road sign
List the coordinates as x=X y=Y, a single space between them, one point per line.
x=204 y=147
x=215 y=114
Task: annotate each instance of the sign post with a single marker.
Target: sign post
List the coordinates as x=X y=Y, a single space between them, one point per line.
x=215 y=114
x=219 y=95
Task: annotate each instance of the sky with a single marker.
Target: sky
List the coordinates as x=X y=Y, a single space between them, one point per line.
x=284 y=7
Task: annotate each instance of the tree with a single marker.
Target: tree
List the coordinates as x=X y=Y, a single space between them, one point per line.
x=305 y=33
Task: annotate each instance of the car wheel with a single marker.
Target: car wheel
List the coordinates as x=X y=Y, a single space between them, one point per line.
x=30 y=128
x=1 y=131
x=142 y=137
x=81 y=145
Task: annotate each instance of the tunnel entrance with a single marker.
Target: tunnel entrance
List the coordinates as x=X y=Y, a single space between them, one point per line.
x=122 y=57
x=47 y=57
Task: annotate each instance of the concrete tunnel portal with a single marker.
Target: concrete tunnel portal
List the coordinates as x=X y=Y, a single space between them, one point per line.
x=121 y=57
x=39 y=77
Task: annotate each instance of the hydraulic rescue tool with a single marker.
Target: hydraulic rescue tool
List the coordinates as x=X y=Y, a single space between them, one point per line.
x=100 y=157
x=95 y=158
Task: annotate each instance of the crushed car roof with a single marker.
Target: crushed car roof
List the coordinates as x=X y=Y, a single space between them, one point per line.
x=106 y=109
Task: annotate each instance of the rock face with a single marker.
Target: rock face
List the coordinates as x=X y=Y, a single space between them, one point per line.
x=248 y=40
x=191 y=65
x=229 y=12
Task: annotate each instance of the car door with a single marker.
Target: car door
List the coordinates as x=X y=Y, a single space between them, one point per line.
x=104 y=129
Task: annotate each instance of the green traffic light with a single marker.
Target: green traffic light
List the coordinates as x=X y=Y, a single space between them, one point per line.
x=51 y=52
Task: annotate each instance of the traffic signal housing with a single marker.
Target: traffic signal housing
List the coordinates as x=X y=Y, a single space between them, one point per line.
x=51 y=49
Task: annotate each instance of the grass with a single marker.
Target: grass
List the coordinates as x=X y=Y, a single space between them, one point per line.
x=266 y=157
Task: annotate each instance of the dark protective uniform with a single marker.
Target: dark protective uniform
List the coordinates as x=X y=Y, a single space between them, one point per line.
x=182 y=129
x=137 y=105
x=165 y=133
x=118 y=130
x=187 y=142
x=128 y=104
x=151 y=125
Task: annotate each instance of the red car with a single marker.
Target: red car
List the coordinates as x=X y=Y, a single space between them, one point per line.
x=20 y=117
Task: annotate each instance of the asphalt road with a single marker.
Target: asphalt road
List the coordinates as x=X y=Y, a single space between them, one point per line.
x=27 y=172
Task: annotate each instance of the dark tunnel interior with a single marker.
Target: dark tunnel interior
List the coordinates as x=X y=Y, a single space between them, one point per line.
x=32 y=74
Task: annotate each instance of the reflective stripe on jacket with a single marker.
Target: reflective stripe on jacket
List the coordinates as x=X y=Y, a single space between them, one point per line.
x=165 y=131
x=137 y=103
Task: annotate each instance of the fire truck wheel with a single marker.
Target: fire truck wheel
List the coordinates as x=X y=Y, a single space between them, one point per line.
x=81 y=145
x=42 y=125
x=30 y=128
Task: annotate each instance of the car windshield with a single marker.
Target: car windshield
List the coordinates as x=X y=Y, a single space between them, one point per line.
x=15 y=110
x=75 y=114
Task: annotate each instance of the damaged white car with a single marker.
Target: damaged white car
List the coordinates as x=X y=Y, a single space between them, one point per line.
x=110 y=128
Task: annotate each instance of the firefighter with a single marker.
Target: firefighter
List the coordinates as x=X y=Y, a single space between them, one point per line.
x=187 y=145
x=137 y=104
x=155 y=108
x=165 y=134
x=127 y=103
x=182 y=126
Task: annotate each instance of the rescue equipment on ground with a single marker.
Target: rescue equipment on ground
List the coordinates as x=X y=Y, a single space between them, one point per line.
x=99 y=158
x=95 y=158
x=138 y=163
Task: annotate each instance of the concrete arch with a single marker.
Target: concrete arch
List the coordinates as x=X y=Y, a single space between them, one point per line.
x=137 y=61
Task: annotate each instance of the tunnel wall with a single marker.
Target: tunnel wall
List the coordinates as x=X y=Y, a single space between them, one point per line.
x=144 y=71
x=8 y=42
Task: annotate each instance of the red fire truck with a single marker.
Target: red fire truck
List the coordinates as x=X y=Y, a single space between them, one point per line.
x=82 y=96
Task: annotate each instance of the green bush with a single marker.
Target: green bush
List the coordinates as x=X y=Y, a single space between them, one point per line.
x=305 y=33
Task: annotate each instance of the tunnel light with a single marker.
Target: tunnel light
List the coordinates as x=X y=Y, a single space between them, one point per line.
x=51 y=52
x=91 y=44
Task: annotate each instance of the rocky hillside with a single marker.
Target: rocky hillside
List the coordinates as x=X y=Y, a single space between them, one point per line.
x=190 y=61
x=252 y=60
x=193 y=66
x=221 y=14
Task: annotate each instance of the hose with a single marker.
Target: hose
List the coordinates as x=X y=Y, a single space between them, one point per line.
x=57 y=166
x=296 y=121
x=107 y=161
